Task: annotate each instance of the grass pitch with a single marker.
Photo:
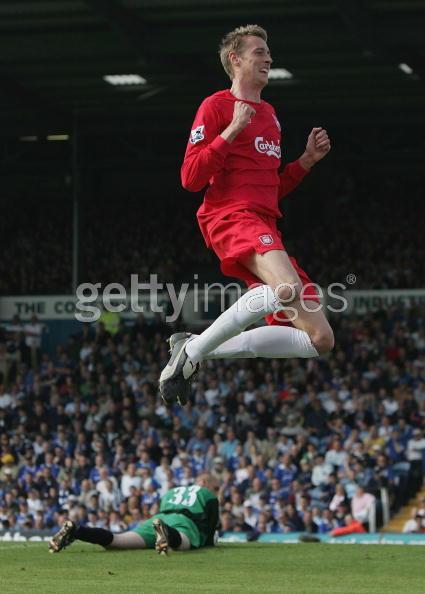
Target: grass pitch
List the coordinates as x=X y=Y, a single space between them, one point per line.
x=228 y=569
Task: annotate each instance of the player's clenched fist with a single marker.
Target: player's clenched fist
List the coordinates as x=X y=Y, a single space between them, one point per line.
x=318 y=143
x=242 y=113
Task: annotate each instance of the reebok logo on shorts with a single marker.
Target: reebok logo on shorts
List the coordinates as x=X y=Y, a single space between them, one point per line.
x=266 y=239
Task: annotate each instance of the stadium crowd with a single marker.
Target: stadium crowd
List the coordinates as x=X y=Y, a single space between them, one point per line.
x=296 y=445
x=335 y=212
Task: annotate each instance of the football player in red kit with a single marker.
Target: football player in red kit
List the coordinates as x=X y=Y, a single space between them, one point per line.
x=234 y=149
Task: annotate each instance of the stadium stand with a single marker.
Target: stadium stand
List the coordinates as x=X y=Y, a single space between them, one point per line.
x=43 y=249
x=311 y=445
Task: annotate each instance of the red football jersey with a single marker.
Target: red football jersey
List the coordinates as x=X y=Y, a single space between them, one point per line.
x=242 y=174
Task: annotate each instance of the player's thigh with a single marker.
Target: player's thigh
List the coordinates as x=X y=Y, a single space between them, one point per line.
x=147 y=532
x=127 y=540
x=309 y=316
x=274 y=268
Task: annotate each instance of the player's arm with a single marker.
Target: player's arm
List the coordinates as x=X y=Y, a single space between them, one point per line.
x=208 y=144
x=211 y=508
x=318 y=146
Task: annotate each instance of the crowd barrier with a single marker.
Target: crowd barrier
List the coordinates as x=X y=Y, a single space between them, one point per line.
x=243 y=537
x=296 y=537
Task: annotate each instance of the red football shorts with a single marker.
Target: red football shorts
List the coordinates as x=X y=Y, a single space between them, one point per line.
x=241 y=233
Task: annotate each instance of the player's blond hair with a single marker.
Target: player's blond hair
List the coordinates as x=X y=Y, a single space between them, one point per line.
x=233 y=42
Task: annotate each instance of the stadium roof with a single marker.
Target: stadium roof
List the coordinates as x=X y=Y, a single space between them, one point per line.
x=345 y=57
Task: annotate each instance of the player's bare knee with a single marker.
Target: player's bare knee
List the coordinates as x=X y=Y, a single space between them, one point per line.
x=288 y=292
x=323 y=341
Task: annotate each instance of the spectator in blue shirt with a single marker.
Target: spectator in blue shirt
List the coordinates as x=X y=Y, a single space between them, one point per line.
x=199 y=440
x=395 y=447
x=228 y=447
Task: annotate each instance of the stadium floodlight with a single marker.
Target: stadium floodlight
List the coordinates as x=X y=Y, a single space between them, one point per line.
x=124 y=79
x=405 y=68
x=57 y=137
x=280 y=74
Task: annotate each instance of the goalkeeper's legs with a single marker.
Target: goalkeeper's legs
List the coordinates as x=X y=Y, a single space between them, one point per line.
x=127 y=540
x=70 y=532
x=159 y=535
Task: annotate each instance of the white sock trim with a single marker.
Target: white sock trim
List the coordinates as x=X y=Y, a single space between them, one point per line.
x=271 y=342
x=249 y=309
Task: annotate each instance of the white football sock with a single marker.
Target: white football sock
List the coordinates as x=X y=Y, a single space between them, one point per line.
x=247 y=310
x=271 y=342
x=185 y=544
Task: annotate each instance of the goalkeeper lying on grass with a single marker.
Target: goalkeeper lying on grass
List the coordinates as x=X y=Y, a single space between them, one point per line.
x=187 y=518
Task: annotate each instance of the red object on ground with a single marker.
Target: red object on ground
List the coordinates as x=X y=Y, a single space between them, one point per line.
x=355 y=527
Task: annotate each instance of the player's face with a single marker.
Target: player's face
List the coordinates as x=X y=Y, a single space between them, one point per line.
x=254 y=61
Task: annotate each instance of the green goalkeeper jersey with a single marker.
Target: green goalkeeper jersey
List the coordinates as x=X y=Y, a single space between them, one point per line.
x=197 y=503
